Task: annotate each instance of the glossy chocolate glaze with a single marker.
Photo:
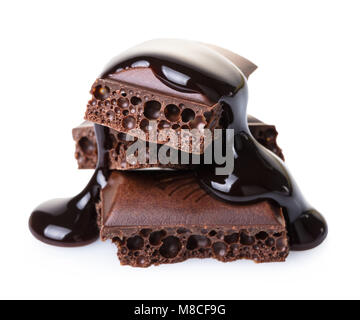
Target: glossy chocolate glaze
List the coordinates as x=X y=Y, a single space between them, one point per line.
x=73 y=222
x=258 y=174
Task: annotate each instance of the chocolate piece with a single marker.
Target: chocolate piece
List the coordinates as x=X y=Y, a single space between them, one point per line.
x=85 y=148
x=126 y=106
x=130 y=95
x=266 y=134
x=180 y=221
x=86 y=153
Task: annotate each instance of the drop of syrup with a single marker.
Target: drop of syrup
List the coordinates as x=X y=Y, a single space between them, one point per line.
x=73 y=222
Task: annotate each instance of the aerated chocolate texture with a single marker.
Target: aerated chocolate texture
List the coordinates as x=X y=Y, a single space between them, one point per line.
x=181 y=221
x=124 y=107
x=86 y=150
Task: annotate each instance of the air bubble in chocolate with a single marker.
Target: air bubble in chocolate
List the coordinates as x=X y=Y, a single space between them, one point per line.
x=232 y=238
x=270 y=242
x=110 y=115
x=145 y=232
x=171 y=247
x=156 y=237
x=135 y=243
x=246 y=239
x=187 y=115
x=172 y=112
x=152 y=109
x=219 y=249
x=145 y=125
x=129 y=122
x=135 y=101
x=196 y=241
x=101 y=92
x=123 y=103
x=261 y=235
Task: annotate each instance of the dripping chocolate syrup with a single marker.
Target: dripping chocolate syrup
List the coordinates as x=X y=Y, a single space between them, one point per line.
x=73 y=222
x=258 y=173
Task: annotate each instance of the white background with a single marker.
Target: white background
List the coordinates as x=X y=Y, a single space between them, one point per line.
x=307 y=84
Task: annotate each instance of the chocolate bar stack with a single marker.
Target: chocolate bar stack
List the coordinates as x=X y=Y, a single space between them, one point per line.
x=181 y=170
x=163 y=215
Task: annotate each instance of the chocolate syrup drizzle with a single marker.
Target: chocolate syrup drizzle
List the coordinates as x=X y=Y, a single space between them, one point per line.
x=258 y=174
x=73 y=222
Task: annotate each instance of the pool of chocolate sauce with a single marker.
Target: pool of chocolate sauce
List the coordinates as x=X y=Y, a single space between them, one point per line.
x=258 y=173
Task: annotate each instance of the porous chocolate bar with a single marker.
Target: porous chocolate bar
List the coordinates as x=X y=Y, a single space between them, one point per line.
x=119 y=142
x=125 y=107
x=86 y=150
x=181 y=221
x=129 y=97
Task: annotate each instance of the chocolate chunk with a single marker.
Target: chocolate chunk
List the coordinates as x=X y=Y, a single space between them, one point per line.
x=141 y=91
x=181 y=221
x=86 y=149
x=266 y=134
x=86 y=153
x=144 y=105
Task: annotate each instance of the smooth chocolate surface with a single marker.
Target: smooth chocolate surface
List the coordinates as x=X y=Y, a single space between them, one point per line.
x=181 y=221
x=86 y=151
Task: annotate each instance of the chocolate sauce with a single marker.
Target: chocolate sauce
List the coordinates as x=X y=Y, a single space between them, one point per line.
x=73 y=222
x=258 y=174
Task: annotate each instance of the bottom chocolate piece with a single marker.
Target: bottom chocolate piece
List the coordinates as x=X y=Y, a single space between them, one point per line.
x=181 y=221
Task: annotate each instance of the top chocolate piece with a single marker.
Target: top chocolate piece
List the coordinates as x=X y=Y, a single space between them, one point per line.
x=146 y=89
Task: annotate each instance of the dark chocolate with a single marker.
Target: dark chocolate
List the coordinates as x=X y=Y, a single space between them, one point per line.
x=258 y=174
x=181 y=221
x=71 y=222
x=195 y=69
x=128 y=107
x=86 y=152
x=129 y=94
